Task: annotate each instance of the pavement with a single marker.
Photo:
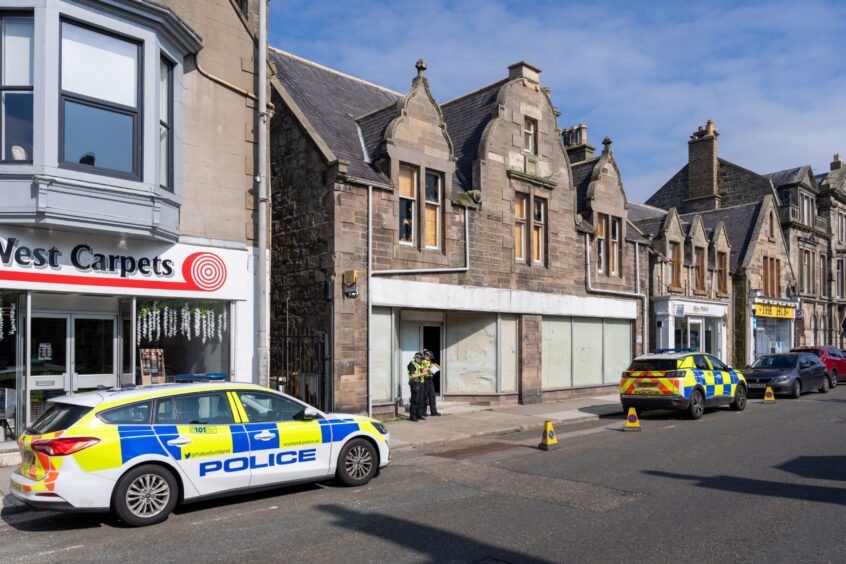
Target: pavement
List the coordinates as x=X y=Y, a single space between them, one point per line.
x=462 y=421
x=764 y=485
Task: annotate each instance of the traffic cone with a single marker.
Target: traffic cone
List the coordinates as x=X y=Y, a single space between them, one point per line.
x=769 y=396
x=548 y=440
x=632 y=422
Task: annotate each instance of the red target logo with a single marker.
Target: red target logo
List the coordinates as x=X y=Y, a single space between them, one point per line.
x=205 y=271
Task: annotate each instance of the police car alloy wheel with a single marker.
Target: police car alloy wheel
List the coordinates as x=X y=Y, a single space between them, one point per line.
x=145 y=495
x=739 y=403
x=697 y=405
x=358 y=463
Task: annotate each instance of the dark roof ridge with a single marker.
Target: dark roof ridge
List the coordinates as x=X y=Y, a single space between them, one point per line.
x=476 y=91
x=758 y=203
x=334 y=71
x=749 y=170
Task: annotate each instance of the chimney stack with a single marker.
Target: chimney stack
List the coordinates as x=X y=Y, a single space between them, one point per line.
x=576 y=143
x=524 y=70
x=836 y=163
x=703 y=170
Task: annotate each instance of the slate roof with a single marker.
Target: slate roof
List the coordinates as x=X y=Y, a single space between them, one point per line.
x=466 y=118
x=373 y=127
x=639 y=212
x=672 y=193
x=740 y=222
x=331 y=101
x=650 y=226
x=787 y=176
x=820 y=178
x=582 y=173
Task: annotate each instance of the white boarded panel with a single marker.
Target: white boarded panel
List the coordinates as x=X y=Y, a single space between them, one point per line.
x=587 y=352
x=380 y=355
x=556 y=353
x=471 y=353
x=508 y=355
x=617 y=346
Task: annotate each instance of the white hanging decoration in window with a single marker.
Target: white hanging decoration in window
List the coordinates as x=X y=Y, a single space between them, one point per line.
x=1 y=319
x=138 y=331
x=197 y=322
x=186 y=322
x=13 y=320
x=210 y=323
x=220 y=325
x=225 y=318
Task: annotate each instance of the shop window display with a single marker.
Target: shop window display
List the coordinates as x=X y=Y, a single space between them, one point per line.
x=193 y=335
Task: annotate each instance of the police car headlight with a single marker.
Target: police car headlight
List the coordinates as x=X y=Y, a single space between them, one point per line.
x=381 y=428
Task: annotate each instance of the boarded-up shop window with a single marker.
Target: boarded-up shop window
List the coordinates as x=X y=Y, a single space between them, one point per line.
x=587 y=352
x=471 y=353
x=617 y=345
x=508 y=355
x=380 y=356
x=556 y=354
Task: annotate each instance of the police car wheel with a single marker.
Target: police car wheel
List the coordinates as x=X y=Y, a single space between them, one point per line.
x=739 y=403
x=358 y=463
x=145 y=495
x=697 y=405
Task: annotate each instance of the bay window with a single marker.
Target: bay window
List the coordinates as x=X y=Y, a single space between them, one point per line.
x=166 y=124
x=100 y=101
x=16 y=103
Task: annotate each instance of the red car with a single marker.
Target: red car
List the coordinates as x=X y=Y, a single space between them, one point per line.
x=832 y=357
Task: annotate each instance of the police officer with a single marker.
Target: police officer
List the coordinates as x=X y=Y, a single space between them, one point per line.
x=415 y=382
x=429 y=384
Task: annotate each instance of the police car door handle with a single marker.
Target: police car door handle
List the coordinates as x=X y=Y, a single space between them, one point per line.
x=264 y=436
x=179 y=441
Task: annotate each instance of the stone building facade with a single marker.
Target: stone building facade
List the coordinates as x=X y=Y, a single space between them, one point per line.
x=465 y=228
x=769 y=300
x=130 y=165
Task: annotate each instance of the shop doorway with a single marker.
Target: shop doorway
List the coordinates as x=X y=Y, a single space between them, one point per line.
x=415 y=337
x=73 y=352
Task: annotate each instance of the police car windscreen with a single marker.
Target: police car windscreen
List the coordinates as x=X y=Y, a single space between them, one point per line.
x=59 y=417
x=655 y=365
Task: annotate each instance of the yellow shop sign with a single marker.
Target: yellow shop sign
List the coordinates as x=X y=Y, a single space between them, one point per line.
x=770 y=310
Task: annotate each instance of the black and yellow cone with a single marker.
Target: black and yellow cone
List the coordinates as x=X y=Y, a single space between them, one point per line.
x=632 y=421
x=769 y=396
x=548 y=440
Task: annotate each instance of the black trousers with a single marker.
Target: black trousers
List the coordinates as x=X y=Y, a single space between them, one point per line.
x=429 y=397
x=414 y=402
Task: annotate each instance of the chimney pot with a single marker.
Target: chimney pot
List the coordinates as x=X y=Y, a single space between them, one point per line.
x=836 y=163
x=524 y=70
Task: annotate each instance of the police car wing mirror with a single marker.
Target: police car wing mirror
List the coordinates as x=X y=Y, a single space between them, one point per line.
x=310 y=413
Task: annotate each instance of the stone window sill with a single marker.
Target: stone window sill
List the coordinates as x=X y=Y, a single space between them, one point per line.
x=536 y=180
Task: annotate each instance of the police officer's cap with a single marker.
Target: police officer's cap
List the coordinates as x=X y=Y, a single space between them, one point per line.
x=418 y=355
x=427 y=351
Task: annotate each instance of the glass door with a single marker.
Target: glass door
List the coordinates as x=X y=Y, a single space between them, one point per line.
x=694 y=334
x=94 y=348
x=49 y=352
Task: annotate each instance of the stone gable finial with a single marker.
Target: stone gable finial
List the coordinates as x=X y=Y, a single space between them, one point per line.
x=606 y=145
x=421 y=67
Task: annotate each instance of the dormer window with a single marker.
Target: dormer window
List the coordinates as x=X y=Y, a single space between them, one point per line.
x=100 y=102
x=807 y=209
x=675 y=265
x=699 y=268
x=16 y=89
x=530 y=136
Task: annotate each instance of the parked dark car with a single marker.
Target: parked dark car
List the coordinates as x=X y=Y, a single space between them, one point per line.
x=832 y=357
x=787 y=373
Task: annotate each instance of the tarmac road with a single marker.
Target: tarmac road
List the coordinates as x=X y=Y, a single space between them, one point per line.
x=764 y=485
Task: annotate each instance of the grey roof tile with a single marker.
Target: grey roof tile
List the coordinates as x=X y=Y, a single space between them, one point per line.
x=582 y=173
x=373 y=127
x=638 y=212
x=787 y=176
x=466 y=118
x=740 y=222
x=331 y=101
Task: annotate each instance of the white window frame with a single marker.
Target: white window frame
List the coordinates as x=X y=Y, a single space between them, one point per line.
x=602 y=232
x=615 y=245
x=521 y=223
x=539 y=230
x=437 y=205
x=530 y=135
x=413 y=199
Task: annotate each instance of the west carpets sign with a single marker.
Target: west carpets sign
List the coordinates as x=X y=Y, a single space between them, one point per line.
x=84 y=258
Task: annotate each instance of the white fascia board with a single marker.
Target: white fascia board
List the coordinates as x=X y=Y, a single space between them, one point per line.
x=426 y=295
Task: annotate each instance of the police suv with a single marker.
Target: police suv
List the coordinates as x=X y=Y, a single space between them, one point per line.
x=139 y=451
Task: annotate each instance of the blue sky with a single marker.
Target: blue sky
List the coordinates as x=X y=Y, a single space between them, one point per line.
x=772 y=75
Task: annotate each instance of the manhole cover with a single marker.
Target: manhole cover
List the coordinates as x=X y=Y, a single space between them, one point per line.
x=475 y=450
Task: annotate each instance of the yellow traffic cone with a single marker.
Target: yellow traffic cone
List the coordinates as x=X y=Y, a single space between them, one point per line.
x=548 y=440
x=632 y=422
x=769 y=396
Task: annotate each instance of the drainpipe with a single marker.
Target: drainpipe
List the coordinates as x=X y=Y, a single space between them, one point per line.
x=636 y=294
x=263 y=194
x=371 y=273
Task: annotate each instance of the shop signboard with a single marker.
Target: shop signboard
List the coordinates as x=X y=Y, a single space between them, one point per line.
x=36 y=259
x=772 y=310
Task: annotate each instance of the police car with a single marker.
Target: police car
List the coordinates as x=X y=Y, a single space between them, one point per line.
x=139 y=451
x=685 y=380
